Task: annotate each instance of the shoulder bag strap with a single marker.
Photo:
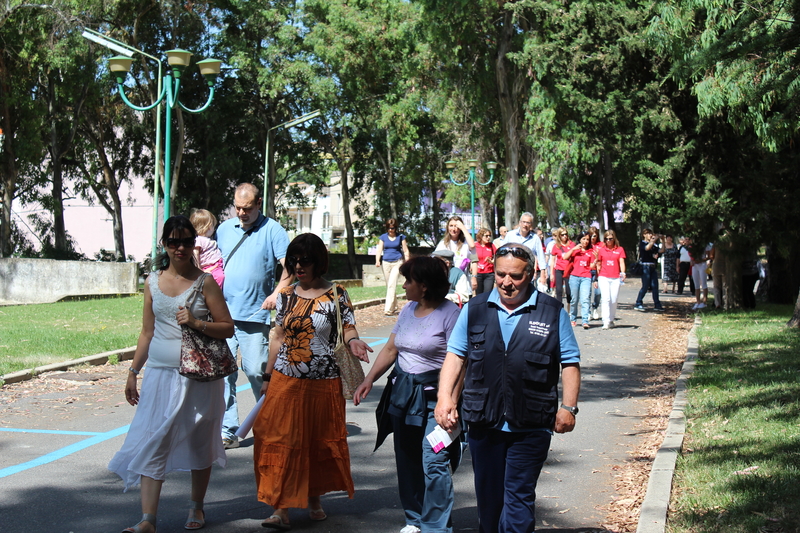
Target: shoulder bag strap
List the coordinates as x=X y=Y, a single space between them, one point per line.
x=339 y=333
x=238 y=244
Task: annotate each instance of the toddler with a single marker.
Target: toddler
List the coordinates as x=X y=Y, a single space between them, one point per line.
x=206 y=252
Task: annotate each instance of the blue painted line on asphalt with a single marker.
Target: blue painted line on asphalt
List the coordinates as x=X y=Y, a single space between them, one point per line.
x=51 y=431
x=96 y=438
x=63 y=452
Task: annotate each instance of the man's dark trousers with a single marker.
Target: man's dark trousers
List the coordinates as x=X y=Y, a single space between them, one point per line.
x=506 y=467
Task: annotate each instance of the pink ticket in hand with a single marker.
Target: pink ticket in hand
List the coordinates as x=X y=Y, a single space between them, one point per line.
x=440 y=439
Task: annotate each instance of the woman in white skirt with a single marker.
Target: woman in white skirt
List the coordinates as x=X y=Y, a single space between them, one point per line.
x=177 y=420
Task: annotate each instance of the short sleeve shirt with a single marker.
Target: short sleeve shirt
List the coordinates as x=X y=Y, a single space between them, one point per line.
x=311 y=333
x=250 y=274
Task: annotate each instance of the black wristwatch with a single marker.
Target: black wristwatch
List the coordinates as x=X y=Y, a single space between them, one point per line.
x=266 y=377
x=573 y=410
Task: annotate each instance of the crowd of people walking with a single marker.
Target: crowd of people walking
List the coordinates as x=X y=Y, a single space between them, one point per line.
x=483 y=352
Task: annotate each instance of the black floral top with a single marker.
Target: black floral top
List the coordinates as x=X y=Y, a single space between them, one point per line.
x=310 y=333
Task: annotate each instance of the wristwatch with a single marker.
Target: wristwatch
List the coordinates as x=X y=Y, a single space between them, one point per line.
x=266 y=377
x=573 y=410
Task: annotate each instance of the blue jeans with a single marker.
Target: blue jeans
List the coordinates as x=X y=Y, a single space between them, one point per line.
x=251 y=339
x=507 y=467
x=649 y=279
x=581 y=289
x=423 y=477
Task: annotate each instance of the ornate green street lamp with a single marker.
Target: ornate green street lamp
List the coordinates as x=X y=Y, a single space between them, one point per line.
x=178 y=61
x=471 y=179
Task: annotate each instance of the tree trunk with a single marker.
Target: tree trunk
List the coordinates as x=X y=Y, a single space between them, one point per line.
x=794 y=322
x=607 y=222
x=510 y=113
x=8 y=168
x=434 y=191
x=390 y=177
x=732 y=288
x=348 y=224
x=544 y=189
x=59 y=228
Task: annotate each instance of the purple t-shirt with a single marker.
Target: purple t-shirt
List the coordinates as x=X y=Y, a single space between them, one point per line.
x=422 y=342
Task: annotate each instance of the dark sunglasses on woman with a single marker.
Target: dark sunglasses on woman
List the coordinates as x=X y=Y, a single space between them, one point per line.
x=174 y=244
x=302 y=261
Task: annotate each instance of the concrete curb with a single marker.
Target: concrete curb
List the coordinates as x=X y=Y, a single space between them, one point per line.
x=653 y=514
x=124 y=354
x=98 y=359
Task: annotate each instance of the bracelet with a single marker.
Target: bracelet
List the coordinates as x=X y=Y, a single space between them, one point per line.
x=353 y=339
x=204 y=327
x=266 y=377
x=135 y=372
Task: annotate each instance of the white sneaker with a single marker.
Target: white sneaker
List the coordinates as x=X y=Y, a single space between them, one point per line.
x=612 y=325
x=596 y=314
x=605 y=326
x=410 y=529
x=700 y=306
x=694 y=306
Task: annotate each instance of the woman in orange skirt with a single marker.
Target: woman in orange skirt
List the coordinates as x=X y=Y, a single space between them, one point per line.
x=300 y=439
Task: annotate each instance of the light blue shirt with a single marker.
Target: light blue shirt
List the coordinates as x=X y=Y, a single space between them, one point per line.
x=458 y=343
x=250 y=275
x=532 y=241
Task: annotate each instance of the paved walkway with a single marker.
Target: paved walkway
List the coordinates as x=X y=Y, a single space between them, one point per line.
x=57 y=436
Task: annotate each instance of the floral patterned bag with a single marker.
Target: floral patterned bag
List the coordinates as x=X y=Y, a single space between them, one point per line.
x=204 y=358
x=350 y=369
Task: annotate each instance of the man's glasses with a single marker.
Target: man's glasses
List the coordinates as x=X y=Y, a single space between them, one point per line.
x=302 y=261
x=174 y=244
x=519 y=253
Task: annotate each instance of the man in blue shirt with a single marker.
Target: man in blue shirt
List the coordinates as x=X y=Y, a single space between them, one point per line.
x=524 y=234
x=251 y=247
x=508 y=348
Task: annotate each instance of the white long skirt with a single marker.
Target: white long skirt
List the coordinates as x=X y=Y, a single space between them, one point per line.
x=177 y=426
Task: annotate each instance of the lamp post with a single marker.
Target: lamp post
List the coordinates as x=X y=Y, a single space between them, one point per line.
x=491 y=165
x=268 y=203
x=178 y=61
x=127 y=50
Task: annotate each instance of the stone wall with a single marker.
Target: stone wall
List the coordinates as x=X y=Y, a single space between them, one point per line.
x=30 y=281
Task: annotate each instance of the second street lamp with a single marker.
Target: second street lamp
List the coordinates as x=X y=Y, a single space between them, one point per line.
x=178 y=60
x=268 y=203
x=471 y=179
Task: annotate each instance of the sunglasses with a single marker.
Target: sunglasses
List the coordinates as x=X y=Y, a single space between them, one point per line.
x=609 y=238
x=174 y=244
x=304 y=261
x=519 y=253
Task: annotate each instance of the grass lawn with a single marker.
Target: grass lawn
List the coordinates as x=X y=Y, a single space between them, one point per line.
x=36 y=335
x=740 y=467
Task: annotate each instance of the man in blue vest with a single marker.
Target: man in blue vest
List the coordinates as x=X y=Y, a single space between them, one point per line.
x=508 y=348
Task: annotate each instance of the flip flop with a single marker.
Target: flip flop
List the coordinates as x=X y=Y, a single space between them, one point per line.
x=317 y=515
x=280 y=524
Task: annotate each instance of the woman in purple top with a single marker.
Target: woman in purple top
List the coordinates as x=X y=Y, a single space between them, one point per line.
x=393 y=250
x=417 y=347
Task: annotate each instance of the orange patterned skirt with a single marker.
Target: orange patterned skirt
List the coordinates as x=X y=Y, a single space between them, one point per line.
x=300 y=442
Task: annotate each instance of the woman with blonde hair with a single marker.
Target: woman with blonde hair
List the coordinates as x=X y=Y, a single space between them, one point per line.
x=206 y=253
x=457 y=240
x=610 y=273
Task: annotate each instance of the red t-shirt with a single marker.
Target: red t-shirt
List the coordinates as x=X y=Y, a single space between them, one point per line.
x=583 y=259
x=609 y=258
x=484 y=254
x=559 y=252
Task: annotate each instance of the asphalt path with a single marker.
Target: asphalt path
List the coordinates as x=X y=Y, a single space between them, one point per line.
x=58 y=432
